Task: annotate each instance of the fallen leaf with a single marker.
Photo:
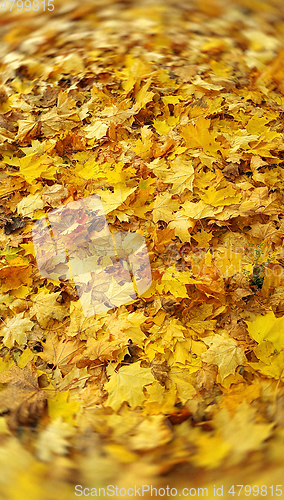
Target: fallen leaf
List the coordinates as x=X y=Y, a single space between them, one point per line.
x=225 y=353
x=15 y=330
x=22 y=399
x=127 y=385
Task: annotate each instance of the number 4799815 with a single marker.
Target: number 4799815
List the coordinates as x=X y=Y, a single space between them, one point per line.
x=27 y=5
x=256 y=490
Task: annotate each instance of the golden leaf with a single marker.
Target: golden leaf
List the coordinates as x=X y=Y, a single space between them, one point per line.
x=224 y=352
x=127 y=385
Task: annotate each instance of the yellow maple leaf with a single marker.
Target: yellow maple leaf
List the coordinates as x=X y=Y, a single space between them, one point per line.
x=89 y=168
x=200 y=210
x=211 y=449
x=120 y=294
x=239 y=393
x=29 y=204
x=32 y=166
x=171 y=331
x=46 y=307
x=53 y=440
x=198 y=136
x=60 y=352
x=163 y=207
x=29 y=248
x=96 y=130
x=26 y=356
x=111 y=201
x=59 y=406
x=161 y=127
x=242 y=433
x=182 y=381
x=224 y=352
x=15 y=330
x=143 y=146
x=179 y=173
x=26 y=127
x=229 y=263
x=105 y=349
x=150 y=433
x=271 y=365
x=80 y=324
x=121 y=325
x=220 y=197
x=16 y=274
x=143 y=96
x=268 y=328
x=127 y=385
x=135 y=70
x=203 y=238
x=172 y=99
x=174 y=281
x=182 y=354
x=160 y=400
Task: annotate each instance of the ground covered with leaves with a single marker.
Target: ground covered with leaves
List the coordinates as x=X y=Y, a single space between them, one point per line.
x=172 y=113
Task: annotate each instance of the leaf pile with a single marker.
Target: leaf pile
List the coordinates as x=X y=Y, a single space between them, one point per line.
x=172 y=113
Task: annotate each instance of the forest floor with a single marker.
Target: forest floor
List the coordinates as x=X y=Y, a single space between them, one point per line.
x=152 y=130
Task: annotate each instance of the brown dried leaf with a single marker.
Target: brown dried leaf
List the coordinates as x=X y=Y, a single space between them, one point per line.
x=22 y=398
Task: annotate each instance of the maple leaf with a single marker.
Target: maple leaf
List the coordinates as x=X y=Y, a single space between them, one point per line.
x=127 y=385
x=161 y=127
x=54 y=440
x=54 y=194
x=16 y=274
x=225 y=353
x=179 y=173
x=143 y=147
x=182 y=354
x=22 y=398
x=135 y=69
x=46 y=307
x=163 y=207
x=187 y=155
x=15 y=330
x=80 y=324
x=87 y=167
x=203 y=238
x=111 y=201
x=150 y=433
x=205 y=377
x=32 y=166
x=233 y=398
x=212 y=450
x=242 y=432
x=268 y=328
x=96 y=130
x=61 y=407
x=171 y=331
x=200 y=210
x=174 y=281
x=182 y=381
x=181 y=224
x=143 y=96
x=26 y=127
x=29 y=204
x=120 y=294
x=60 y=352
x=221 y=197
x=103 y=349
x=10 y=184
x=129 y=327
x=198 y=136
x=271 y=363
